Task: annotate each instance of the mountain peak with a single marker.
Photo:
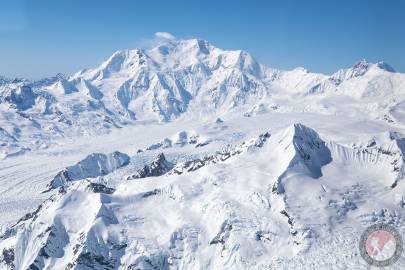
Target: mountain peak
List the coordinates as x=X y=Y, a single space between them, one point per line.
x=362 y=63
x=362 y=66
x=200 y=45
x=187 y=46
x=157 y=167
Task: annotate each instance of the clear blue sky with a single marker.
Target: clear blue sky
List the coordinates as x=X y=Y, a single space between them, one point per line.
x=41 y=38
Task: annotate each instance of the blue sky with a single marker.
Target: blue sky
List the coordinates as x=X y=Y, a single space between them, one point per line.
x=42 y=38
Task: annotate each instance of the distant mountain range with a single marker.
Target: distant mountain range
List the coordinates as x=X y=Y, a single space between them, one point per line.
x=212 y=161
x=184 y=78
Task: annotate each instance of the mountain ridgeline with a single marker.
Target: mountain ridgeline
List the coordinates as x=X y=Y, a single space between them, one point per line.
x=181 y=78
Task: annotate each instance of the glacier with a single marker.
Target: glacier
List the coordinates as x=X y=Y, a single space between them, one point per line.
x=188 y=156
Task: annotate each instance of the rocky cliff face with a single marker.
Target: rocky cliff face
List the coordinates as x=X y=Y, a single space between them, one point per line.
x=159 y=166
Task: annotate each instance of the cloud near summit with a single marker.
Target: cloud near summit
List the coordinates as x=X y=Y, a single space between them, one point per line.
x=164 y=35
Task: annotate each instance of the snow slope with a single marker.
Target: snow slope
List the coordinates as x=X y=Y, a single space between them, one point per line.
x=225 y=215
x=94 y=165
x=184 y=78
x=187 y=156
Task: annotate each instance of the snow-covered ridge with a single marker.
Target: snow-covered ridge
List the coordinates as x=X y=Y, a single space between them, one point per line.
x=195 y=192
x=299 y=148
x=92 y=166
x=220 y=156
x=385 y=150
x=212 y=214
x=159 y=166
x=181 y=78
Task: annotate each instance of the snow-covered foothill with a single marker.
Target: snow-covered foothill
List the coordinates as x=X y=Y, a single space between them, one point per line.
x=96 y=164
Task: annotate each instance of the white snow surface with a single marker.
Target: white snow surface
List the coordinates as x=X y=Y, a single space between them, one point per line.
x=92 y=166
x=297 y=167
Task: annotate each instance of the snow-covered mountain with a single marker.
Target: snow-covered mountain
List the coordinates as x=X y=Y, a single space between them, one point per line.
x=187 y=156
x=280 y=200
x=189 y=78
x=173 y=78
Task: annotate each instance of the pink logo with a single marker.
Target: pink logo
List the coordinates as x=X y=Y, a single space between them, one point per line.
x=381 y=245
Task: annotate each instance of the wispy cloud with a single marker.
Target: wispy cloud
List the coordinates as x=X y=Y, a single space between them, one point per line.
x=158 y=38
x=164 y=36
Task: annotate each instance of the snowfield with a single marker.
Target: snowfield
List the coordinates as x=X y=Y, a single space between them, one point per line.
x=187 y=156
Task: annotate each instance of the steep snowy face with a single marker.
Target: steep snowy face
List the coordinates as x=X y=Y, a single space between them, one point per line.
x=86 y=88
x=122 y=63
x=200 y=54
x=385 y=151
x=359 y=69
x=200 y=195
x=376 y=86
x=299 y=150
x=222 y=211
x=21 y=97
x=190 y=79
x=63 y=235
x=93 y=165
x=362 y=80
x=309 y=148
x=36 y=113
x=161 y=83
x=298 y=80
